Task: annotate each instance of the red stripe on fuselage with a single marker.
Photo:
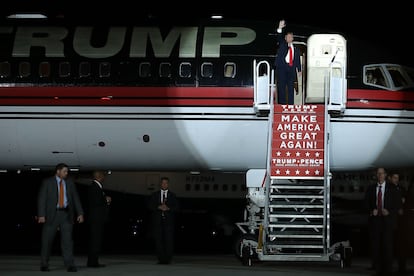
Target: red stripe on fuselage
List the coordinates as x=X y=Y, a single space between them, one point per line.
x=178 y=96
x=128 y=96
x=380 y=99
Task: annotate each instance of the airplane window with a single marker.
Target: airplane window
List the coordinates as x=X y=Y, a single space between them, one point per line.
x=64 y=69
x=410 y=72
x=225 y=187
x=206 y=187
x=44 y=69
x=24 y=69
x=215 y=187
x=374 y=75
x=187 y=187
x=104 y=69
x=185 y=69
x=207 y=70
x=197 y=187
x=243 y=187
x=234 y=187
x=369 y=77
x=229 y=70
x=165 y=69
x=84 y=69
x=397 y=77
x=4 y=69
x=144 y=70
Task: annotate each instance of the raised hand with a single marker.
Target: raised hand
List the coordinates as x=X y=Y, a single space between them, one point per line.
x=282 y=24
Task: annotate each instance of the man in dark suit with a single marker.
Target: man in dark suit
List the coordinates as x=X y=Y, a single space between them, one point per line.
x=58 y=204
x=163 y=205
x=98 y=216
x=400 y=232
x=382 y=204
x=287 y=64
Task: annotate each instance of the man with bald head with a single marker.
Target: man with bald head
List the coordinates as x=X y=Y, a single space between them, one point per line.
x=98 y=216
x=382 y=202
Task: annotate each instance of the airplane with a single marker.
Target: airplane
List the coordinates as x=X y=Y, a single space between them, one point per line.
x=147 y=98
x=155 y=97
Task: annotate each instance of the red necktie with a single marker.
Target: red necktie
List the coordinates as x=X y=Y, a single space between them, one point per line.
x=61 y=195
x=379 y=200
x=290 y=56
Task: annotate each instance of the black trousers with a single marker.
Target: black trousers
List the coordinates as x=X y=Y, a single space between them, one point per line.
x=381 y=239
x=96 y=235
x=164 y=241
x=286 y=76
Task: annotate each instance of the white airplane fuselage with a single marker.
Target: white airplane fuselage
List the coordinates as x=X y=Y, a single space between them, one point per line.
x=186 y=138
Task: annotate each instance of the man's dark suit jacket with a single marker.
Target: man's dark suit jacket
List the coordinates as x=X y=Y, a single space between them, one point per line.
x=48 y=199
x=157 y=215
x=98 y=209
x=282 y=51
x=392 y=202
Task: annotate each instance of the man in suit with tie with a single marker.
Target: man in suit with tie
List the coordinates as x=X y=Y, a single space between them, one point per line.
x=98 y=216
x=58 y=204
x=382 y=202
x=163 y=205
x=287 y=64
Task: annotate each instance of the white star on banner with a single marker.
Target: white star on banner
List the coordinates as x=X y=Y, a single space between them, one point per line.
x=288 y=153
x=278 y=153
x=297 y=172
x=287 y=172
x=317 y=154
x=317 y=172
x=307 y=154
x=297 y=153
x=277 y=171
x=307 y=172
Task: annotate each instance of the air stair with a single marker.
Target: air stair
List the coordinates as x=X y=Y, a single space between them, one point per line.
x=288 y=215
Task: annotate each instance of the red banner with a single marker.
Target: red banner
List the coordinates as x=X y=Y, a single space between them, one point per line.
x=298 y=141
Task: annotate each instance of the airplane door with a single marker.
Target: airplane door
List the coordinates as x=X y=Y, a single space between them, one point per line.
x=326 y=59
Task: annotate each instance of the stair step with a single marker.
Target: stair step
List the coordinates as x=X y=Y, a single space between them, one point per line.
x=293 y=212
x=295 y=235
x=296 y=205
x=294 y=216
x=294 y=224
x=304 y=187
x=297 y=246
x=296 y=196
x=294 y=256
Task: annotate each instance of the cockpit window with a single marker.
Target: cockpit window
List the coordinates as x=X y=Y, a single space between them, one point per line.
x=389 y=76
x=397 y=76
x=374 y=76
x=410 y=73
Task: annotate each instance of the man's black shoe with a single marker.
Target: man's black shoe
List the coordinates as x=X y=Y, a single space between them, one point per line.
x=44 y=268
x=72 y=269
